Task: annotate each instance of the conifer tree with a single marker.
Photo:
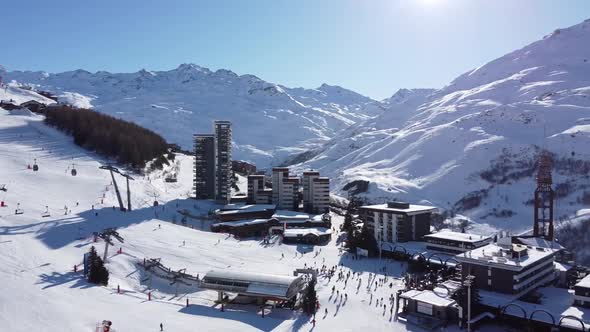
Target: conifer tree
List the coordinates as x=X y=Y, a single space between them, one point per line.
x=310 y=298
x=98 y=273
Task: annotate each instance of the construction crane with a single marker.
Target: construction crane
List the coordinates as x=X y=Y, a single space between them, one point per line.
x=113 y=170
x=106 y=235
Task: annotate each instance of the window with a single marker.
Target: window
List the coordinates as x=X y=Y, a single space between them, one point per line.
x=489 y=282
x=424 y=308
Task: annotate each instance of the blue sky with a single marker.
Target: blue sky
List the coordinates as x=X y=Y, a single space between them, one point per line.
x=371 y=46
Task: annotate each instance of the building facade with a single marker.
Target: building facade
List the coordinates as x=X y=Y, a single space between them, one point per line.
x=204 y=167
x=223 y=164
x=320 y=202
x=316 y=192
x=257 y=193
x=290 y=194
x=255 y=184
x=281 y=197
x=397 y=221
x=307 y=185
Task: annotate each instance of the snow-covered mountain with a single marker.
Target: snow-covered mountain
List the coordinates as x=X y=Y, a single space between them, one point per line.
x=471 y=146
x=271 y=121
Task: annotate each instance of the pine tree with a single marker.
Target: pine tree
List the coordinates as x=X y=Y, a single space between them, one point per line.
x=310 y=298
x=363 y=239
x=98 y=273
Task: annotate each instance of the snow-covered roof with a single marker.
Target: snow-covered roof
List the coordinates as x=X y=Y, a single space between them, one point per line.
x=412 y=209
x=585 y=282
x=317 y=231
x=562 y=267
x=241 y=222
x=428 y=296
x=539 y=242
x=457 y=236
x=251 y=277
x=285 y=214
x=243 y=208
x=493 y=254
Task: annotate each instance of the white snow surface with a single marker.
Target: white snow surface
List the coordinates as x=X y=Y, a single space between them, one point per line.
x=270 y=121
x=432 y=148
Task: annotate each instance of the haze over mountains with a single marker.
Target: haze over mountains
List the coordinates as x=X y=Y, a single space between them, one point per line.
x=469 y=147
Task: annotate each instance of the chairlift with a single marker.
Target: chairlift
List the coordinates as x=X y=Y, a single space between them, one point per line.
x=18 y=209
x=46 y=213
x=74 y=172
x=35 y=166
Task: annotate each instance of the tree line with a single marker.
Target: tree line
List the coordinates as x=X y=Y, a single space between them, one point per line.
x=108 y=136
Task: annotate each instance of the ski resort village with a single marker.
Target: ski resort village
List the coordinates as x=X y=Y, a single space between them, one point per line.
x=199 y=200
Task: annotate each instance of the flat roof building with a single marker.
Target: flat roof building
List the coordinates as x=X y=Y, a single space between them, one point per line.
x=316 y=235
x=508 y=267
x=397 y=221
x=259 y=285
x=455 y=242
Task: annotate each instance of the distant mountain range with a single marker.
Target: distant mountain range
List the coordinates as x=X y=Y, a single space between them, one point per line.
x=271 y=121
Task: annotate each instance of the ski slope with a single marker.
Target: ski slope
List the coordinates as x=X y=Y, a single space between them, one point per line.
x=42 y=292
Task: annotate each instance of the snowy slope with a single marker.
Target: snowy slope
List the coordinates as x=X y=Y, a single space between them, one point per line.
x=181 y=102
x=471 y=146
x=38 y=253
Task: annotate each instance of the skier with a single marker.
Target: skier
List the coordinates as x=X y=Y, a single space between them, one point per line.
x=161 y=327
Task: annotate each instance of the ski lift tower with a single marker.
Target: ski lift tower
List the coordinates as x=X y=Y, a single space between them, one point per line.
x=106 y=235
x=112 y=169
x=128 y=177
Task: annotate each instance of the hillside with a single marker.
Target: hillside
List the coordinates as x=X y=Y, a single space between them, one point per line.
x=181 y=102
x=471 y=146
